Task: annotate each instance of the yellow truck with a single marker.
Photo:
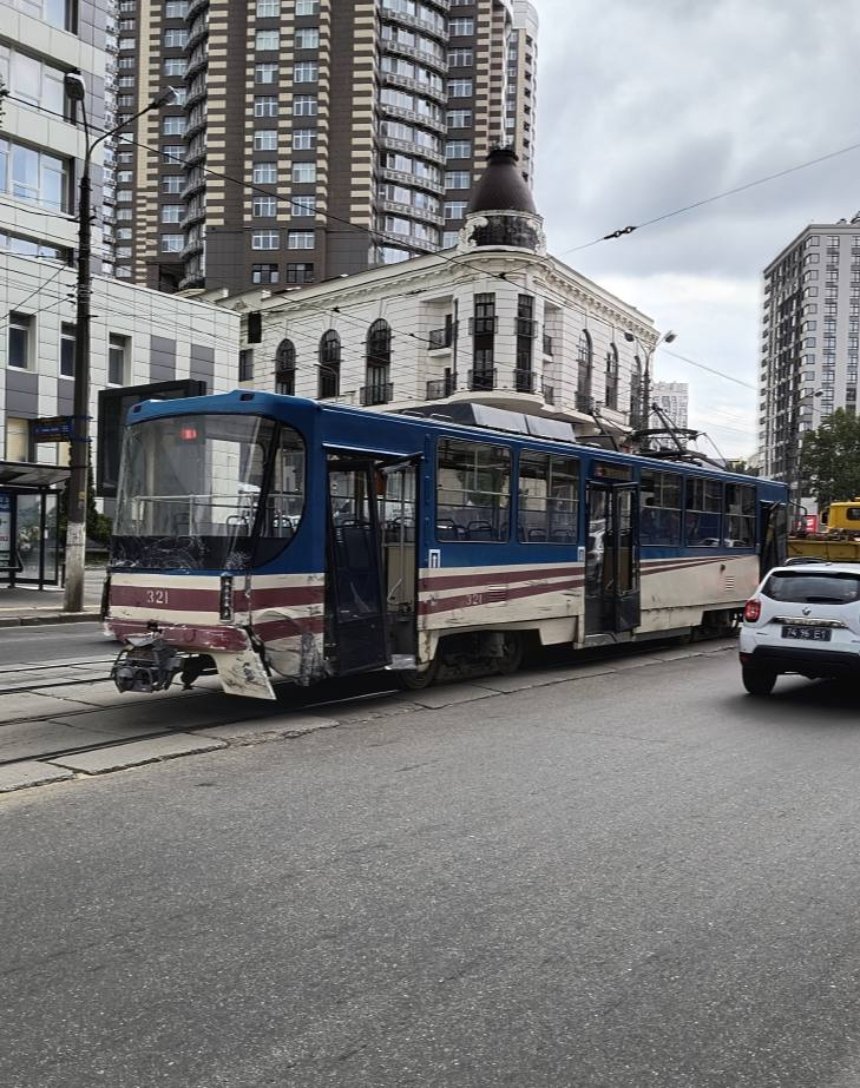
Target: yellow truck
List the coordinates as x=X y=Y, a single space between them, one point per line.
x=838 y=540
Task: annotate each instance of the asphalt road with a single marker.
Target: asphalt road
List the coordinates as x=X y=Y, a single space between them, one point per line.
x=639 y=879
x=53 y=642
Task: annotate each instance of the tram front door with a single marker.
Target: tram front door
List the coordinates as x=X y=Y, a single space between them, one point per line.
x=612 y=600
x=355 y=600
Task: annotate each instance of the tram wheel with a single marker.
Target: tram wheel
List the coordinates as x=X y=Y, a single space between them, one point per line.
x=512 y=656
x=413 y=680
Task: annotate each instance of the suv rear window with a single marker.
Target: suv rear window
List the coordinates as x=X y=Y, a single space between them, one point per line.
x=811 y=587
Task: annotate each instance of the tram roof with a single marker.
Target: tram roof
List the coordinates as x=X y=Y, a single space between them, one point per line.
x=475 y=420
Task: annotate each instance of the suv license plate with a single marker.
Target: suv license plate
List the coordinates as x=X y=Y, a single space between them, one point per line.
x=807 y=634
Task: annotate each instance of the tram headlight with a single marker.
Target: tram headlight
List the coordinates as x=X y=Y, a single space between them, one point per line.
x=225 y=599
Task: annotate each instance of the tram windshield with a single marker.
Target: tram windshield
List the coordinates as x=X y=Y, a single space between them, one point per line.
x=191 y=492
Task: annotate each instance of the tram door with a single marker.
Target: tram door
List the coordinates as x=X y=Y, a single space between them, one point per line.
x=612 y=599
x=355 y=599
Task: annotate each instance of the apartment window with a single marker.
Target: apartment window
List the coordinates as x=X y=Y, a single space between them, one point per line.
x=455 y=209
x=461 y=28
x=265 y=173
x=266 y=139
x=34 y=176
x=305 y=105
x=459 y=88
x=307 y=39
x=266 y=106
x=329 y=365
x=246 y=365
x=266 y=73
x=459 y=119
x=172 y=213
x=173 y=66
x=173 y=154
x=34 y=81
x=300 y=239
x=265 y=239
x=264 y=207
x=131 y=62
x=175 y=9
x=172 y=183
x=173 y=126
x=118 y=352
x=307 y=7
x=306 y=72
x=171 y=243
x=285 y=368
x=457 y=179
x=458 y=149
x=20 y=340
x=266 y=40
x=126 y=82
x=124 y=234
x=268 y=9
x=304 y=139
x=124 y=177
x=124 y=196
x=124 y=214
x=175 y=39
x=304 y=206
x=304 y=173
x=302 y=272
x=264 y=273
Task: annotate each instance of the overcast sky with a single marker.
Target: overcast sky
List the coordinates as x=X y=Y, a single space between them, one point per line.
x=645 y=106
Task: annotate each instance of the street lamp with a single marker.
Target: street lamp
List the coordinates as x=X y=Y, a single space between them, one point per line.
x=80 y=424
x=666 y=338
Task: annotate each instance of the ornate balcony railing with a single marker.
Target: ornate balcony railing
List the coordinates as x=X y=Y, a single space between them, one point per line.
x=378 y=393
x=439 y=338
x=482 y=379
x=439 y=388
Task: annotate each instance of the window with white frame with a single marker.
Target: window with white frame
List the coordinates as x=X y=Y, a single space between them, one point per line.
x=118 y=359
x=175 y=39
x=268 y=9
x=266 y=139
x=303 y=206
x=34 y=176
x=265 y=239
x=458 y=179
x=20 y=341
x=266 y=73
x=172 y=66
x=171 y=243
x=264 y=207
x=265 y=173
x=300 y=239
x=304 y=173
x=307 y=7
x=309 y=38
x=173 y=126
x=67 y=350
x=305 y=105
x=306 y=71
x=266 y=105
x=172 y=183
x=304 y=139
x=172 y=213
x=266 y=40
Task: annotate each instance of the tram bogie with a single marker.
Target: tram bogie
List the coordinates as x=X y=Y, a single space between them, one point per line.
x=272 y=538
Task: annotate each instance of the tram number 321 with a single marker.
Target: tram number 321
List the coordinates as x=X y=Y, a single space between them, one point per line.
x=157 y=596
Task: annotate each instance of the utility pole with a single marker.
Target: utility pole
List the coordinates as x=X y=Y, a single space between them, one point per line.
x=76 y=530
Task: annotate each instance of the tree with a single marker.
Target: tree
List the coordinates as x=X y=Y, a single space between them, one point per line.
x=830 y=459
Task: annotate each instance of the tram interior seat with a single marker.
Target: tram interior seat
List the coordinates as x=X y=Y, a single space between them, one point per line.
x=448 y=529
x=480 y=530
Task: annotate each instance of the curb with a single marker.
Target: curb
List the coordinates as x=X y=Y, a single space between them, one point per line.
x=52 y=618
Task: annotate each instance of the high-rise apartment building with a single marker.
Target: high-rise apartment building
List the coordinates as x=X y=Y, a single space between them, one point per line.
x=810 y=335
x=311 y=138
x=673 y=400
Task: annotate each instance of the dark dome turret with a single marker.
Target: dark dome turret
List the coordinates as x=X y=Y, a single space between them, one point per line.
x=502 y=187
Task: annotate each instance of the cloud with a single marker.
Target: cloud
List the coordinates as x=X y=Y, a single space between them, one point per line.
x=647 y=106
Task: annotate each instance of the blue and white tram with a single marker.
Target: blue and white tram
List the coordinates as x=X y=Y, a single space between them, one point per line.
x=286 y=538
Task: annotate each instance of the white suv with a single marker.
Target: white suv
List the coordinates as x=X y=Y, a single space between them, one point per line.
x=803 y=618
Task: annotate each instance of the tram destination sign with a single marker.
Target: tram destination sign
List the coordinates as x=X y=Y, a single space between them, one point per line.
x=51 y=429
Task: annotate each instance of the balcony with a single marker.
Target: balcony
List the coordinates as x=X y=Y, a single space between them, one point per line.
x=482 y=326
x=439 y=339
x=547 y=344
x=584 y=402
x=437 y=124
x=483 y=379
x=377 y=393
x=437 y=188
x=389 y=143
x=525 y=326
x=440 y=388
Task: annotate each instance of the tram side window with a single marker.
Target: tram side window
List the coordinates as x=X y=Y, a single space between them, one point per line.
x=286 y=498
x=660 y=508
x=548 y=498
x=473 y=485
x=703 y=512
x=740 y=516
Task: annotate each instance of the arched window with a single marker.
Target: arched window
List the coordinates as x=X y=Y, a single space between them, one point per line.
x=585 y=372
x=378 y=389
x=329 y=365
x=636 y=420
x=285 y=368
x=611 y=396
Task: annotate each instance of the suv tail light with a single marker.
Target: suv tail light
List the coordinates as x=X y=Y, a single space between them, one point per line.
x=752 y=610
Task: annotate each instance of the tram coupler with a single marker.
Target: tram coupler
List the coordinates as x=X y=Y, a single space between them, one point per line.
x=146 y=663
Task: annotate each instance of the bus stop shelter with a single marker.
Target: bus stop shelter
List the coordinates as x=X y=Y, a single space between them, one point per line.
x=29 y=523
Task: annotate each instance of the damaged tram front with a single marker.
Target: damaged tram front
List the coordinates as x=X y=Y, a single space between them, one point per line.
x=226 y=522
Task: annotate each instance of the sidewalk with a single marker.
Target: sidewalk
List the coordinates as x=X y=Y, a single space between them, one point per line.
x=25 y=606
